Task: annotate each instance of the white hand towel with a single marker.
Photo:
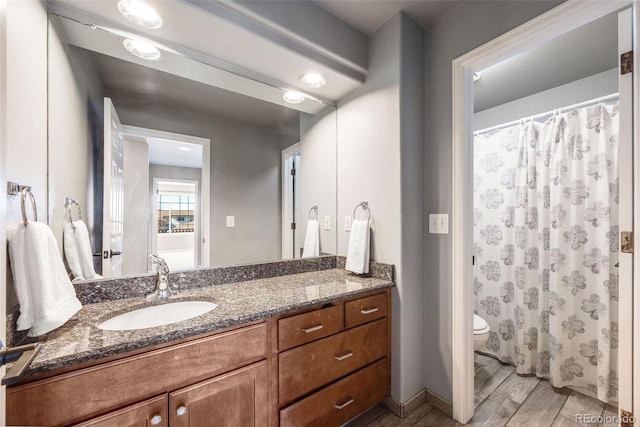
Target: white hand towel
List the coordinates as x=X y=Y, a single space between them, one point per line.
x=311 y=240
x=358 y=252
x=47 y=297
x=77 y=251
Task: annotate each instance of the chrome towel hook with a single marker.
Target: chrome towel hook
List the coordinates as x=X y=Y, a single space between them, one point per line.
x=23 y=196
x=314 y=208
x=68 y=202
x=364 y=206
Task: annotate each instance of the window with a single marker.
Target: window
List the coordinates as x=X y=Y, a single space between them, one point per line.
x=176 y=213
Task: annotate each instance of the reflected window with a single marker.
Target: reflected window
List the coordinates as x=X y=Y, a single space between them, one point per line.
x=176 y=213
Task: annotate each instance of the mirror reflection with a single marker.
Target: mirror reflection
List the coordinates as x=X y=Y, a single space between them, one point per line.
x=162 y=162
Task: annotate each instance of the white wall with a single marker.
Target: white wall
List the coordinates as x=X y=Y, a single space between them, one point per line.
x=245 y=176
x=377 y=137
x=318 y=174
x=581 y=90
x=460 y=31
x=136 y=207
x=26 y=113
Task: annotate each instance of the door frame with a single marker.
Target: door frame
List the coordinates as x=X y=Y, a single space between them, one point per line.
x=3 y=198
x=556 y=22
x=288 y=247
x=205 y=187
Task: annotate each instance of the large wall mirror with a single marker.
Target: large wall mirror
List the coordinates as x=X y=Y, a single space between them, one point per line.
x=164 y=156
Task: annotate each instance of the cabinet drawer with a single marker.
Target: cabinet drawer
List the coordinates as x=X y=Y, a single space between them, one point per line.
x=307 y=368
x=340 y=402
x=303 y=328
x=152 y=412
x=366 y=309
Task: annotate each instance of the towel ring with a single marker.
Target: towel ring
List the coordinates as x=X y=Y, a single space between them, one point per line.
x=67 y=203
x=314 y=208
x=23 y=196
x=365 y=206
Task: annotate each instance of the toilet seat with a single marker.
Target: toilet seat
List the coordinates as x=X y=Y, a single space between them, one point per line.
x=480 y=326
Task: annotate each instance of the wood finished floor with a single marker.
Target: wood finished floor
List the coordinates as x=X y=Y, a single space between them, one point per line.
x=502 y=398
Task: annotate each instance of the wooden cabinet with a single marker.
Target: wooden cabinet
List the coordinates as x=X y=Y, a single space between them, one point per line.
x=316 y=368
x=327 y=381
x=235 y=399
x=150 y=413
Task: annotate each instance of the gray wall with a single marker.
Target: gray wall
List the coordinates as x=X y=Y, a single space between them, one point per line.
x=380 y=137
x=318 y=174
x=75 y=104
x=586 y=89
x=462 y=30
x=245 y=176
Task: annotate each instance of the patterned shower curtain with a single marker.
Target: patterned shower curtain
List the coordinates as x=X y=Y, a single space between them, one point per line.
x=546 y=246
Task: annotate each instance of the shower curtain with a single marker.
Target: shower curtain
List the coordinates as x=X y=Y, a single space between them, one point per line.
x=546 y=246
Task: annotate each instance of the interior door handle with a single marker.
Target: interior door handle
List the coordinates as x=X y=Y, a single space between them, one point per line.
x=109 y=254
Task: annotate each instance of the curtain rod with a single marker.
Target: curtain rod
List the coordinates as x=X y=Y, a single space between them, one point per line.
x=548 y=113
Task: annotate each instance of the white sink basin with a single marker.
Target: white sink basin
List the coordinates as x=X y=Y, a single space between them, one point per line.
x=157 y=315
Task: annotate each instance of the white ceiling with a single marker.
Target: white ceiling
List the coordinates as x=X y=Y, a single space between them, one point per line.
x=168 y=152
x=368 y=16
x=583 y=52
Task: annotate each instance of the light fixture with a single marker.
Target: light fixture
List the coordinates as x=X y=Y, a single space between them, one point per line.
x=476 y=76
x=184 y=148
x=312 y=80
x=293 y=97
x=140 y=13
x=142 y=49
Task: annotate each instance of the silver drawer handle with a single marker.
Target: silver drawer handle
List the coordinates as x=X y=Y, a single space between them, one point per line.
x=181 y=411
x=344 y=405
x=344 y=356
x=155 y=420
x=312 y=329
x=369 y=311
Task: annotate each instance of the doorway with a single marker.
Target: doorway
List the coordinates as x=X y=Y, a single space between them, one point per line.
x=291 y=202
x=548 y=26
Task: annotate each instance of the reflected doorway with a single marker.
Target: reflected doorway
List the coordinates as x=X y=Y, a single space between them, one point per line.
x=177 y=222
x=291 y=202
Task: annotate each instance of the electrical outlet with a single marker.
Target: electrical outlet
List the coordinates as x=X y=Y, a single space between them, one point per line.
x=347 y=223
x=327 y=222
x=439 y=223
x=231 y=221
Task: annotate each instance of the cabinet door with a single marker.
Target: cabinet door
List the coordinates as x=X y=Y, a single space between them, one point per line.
x=150 y=413
x=236 y=399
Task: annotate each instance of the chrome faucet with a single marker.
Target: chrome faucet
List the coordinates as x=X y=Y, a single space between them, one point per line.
x=162 y=291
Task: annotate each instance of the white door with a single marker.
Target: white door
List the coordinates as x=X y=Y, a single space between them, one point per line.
x=113 y=199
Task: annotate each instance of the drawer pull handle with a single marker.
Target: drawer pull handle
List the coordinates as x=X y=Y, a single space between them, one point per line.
x=344 y=405
x=369 y=310
x=155 y=420
x=312 y=329
x=181 y=411
x=344 y=356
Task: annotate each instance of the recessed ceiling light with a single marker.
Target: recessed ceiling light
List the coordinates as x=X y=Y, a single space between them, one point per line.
x=312 y=80
x=142 y=49
x=293 y=97
x=140 y=13
x=184 y=148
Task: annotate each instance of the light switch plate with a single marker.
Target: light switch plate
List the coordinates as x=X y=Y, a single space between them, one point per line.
x=347 y=223
x=231 y=221
x=327 y=222
x=439 y=223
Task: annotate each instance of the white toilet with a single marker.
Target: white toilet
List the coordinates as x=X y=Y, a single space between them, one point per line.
x=480 y=332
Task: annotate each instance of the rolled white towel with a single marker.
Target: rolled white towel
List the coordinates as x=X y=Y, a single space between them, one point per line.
x=358 y=252
x=47 y=297
x=311 y=240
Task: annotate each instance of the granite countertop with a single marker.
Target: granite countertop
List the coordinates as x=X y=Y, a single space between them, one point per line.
x=80 y=340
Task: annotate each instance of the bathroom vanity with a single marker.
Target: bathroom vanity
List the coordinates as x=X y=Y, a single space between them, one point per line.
x=302 y=349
